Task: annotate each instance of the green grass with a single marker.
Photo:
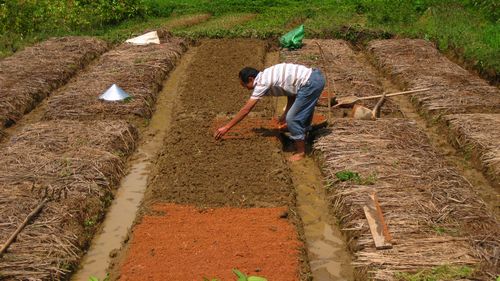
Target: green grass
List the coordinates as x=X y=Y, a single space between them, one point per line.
x=440 y=273
x=347 y=175
x=469 y=29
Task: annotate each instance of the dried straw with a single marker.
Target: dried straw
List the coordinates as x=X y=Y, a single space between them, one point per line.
x=432 y=212
x=478 y=135
x=417 y=63
x=28 y=76
x=348 y=73
x=76 y=165
x=139 y=70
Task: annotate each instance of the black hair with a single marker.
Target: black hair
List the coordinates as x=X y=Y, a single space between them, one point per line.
x=247 y=72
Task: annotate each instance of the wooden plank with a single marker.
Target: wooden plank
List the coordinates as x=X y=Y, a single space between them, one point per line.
x=378 y=227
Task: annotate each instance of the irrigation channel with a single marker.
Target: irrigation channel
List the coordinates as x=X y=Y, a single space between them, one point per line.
x=190 y=207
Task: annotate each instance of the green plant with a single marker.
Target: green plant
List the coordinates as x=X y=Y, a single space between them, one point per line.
x=243 y=277
x=89 y=223
x=93 y=278
x=347 y=175
x=356 y=178
x=443 y=272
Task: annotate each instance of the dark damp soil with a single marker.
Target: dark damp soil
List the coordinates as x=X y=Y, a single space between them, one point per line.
x=196 y=169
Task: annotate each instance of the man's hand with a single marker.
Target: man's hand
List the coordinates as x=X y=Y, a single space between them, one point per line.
x=282 y=123
x=282 y=119
x=221 y=132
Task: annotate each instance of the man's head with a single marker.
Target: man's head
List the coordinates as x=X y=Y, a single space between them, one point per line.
x=247 y=76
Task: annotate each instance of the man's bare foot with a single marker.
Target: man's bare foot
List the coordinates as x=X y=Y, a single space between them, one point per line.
x=296 y=157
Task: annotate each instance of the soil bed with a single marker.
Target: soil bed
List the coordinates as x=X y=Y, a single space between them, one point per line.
x=28 y=76
x=478 y=136
x=209 y=243
x=139 y=70
x=417 y=63
x=433 y=214
x=195 y=169
x=75 y=165
x=216 y=177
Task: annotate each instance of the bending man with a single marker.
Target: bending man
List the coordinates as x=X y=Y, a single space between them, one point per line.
x=301 y=85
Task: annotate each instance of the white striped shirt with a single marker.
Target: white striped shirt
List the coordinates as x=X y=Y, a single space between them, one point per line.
x=280 y=80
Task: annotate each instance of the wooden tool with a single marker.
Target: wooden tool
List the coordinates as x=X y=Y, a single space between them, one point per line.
x=328 y=94
x=349 y=100
x=378 y=227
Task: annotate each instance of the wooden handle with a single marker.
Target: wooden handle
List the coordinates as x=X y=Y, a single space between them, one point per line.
x=395 y=94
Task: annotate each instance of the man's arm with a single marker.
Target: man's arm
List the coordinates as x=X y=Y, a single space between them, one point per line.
x=239 y=116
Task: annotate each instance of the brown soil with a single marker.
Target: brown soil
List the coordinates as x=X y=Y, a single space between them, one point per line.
x=196 y=169
x=210 y=243
x=252 y=127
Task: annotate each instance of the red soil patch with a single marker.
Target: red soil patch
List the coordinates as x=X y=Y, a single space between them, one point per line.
x=185 y=243
x=251 y=127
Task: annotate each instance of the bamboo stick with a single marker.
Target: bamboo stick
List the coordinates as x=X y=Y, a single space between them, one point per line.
x=21 y=227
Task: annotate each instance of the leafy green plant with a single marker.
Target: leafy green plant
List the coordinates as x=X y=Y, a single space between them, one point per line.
x=356 y=178
x=93 y=278
x=243 y=277
x=347 y=175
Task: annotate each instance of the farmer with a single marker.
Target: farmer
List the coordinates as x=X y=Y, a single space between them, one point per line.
x=301 y=85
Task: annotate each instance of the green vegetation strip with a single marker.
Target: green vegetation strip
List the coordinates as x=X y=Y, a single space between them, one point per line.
x=469 y=29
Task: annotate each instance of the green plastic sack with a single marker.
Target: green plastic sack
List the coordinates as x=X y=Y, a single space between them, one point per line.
x=293 y=39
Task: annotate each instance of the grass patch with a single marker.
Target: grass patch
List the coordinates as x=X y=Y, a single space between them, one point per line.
x=440 y=273
x=469 y=29
x=354 y=177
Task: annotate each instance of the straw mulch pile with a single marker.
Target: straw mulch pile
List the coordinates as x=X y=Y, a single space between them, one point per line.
x=417 y=63
x=28 y=76
x=433 y=214
x=478 y=135
x=76 y=165
x=139 y=70
x=347 y=72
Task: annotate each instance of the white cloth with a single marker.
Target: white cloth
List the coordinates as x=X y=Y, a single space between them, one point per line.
x=280 y=80
x=145 y=39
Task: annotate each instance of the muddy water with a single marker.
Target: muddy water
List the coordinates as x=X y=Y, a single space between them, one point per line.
x=122 y=212
x=327 y=251
x=328 y=255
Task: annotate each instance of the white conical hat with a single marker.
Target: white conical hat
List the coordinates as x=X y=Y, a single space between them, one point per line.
x=148 y=38
x=114 y=93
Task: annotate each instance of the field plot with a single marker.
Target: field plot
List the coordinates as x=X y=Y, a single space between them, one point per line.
x=433 y=214
x=237 y=192
x=198 y=170
x=139 y=70
x=195 y=169
x=347 y=73
x=29 y=76
x=73 y=164
x=417 y=63
x=478 y=136
x=257 y=241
